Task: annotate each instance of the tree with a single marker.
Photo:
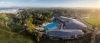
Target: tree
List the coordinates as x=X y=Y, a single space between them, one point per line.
x=37 y=35
x=61 y=13
x=4 y=19
x=29 y=26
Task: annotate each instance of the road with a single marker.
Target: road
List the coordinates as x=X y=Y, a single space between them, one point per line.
x=82 y=20
x=88 y=26
x=94 y=35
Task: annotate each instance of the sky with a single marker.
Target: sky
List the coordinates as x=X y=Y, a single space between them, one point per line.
x=50 y=3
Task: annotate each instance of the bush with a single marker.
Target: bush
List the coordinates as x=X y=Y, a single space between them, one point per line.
x=7 y=28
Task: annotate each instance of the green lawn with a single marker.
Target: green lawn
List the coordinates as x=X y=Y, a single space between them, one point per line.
x=13 y=38
x=93 y=20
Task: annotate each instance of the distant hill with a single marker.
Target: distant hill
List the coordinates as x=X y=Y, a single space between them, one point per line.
x=7 y=8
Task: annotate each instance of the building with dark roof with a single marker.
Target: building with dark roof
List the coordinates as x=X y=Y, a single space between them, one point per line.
x=69 y=23
x=64 y=34
x=68 y=28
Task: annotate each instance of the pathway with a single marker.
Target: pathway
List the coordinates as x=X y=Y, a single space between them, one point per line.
x=88 y=25
x=8 y=31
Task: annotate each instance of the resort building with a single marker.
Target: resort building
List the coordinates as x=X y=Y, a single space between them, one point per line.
x=64 y=34
x=64 y=28
x=69 y=23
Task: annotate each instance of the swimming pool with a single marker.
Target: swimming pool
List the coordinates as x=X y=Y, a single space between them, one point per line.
x=51 y=25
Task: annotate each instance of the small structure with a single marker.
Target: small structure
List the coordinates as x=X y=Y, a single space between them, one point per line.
x=85 y=17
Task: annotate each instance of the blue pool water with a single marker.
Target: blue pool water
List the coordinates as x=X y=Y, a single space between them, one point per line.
x=50 y=26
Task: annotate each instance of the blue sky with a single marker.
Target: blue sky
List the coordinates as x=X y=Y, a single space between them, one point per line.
x=50 y=3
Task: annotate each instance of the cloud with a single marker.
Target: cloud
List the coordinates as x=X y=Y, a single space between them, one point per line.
x=1 y=3
x=32 y=0
x=6 y=4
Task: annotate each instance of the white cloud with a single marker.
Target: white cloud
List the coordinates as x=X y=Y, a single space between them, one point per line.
x=6 y=4
x=33 y=0
x=1 y=3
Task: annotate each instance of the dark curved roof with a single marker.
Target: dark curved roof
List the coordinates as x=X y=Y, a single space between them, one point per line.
x=71 y=23
x=68 y=32
x=74 y=24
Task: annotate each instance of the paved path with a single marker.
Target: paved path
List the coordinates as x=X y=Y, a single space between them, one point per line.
x=94 y=35
x=83 y=21
x=88 y=25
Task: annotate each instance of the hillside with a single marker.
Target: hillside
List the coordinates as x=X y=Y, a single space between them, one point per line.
x=6 y=37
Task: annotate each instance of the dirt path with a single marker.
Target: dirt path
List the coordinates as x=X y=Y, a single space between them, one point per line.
x=8 y=31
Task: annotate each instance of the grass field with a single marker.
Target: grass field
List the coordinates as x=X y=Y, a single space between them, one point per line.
x=93 y=20
x=6 y=37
